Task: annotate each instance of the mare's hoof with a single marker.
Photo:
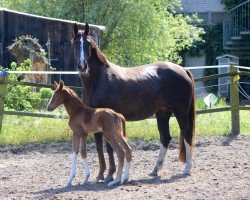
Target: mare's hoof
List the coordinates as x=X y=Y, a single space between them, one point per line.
x=100 y=178
x=113 y=183
x=153 y=173
x=109 y=179
x=69 y=184
x=123 y=181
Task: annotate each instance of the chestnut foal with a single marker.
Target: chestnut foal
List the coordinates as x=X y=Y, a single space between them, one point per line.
x=84 y=120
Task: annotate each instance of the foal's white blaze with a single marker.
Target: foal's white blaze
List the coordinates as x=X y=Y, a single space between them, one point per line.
x=188 y=166
x=126 y=173
x=73 y=168
x=81 y=51
x=86 y=172
x=159 y=163
x=50 y=101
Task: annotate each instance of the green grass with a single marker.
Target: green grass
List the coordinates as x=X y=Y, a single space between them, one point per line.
x=22 y=130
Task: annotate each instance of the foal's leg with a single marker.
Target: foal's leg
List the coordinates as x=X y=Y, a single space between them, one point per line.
x=165 y=138
x=75 y=144
x=111 y=137
x=186 y=141
x=99 y=148
x=128 y=155
x=86 y=172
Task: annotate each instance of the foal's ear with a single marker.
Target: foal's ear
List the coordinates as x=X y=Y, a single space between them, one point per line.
x=61 y=84
x=55 y=84
x=75 y=29
x=86 y=29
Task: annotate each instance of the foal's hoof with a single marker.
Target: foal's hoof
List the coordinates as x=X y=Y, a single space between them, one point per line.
x=113 y=183
x=109 y=179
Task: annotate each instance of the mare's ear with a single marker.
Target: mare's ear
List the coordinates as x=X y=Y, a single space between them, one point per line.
x=55 y=84
x=75 y=30
x=86 y=29
x=61 y=84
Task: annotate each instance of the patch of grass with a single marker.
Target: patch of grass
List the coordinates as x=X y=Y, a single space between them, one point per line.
x=22 y=130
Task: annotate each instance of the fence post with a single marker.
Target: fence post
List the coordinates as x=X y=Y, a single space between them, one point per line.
x=3 y=91
x=234 y=100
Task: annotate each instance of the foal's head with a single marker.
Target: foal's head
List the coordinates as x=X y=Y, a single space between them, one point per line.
x=58 y=98
x=83 y=45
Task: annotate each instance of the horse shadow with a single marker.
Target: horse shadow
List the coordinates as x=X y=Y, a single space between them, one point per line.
x=47 y=193
x=228 y=140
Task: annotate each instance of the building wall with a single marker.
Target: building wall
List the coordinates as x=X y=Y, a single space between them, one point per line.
x=193 y=6
x=14 y=24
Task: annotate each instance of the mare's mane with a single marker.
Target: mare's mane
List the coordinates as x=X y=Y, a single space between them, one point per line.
x=94 y=46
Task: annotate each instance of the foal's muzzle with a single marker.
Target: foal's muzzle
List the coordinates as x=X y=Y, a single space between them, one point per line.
x=50 y=108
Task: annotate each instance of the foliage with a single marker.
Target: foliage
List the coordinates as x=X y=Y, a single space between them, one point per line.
x=212 y=46
x=137 y=32
x=229 y=4
x=24 y=97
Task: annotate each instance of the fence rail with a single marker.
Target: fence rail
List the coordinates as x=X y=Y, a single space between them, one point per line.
x=234 y=92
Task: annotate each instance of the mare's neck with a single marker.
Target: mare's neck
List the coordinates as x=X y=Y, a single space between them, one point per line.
x=96 y=68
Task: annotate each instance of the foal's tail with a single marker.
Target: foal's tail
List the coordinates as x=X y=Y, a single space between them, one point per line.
x=191 y=116
x=123 y=126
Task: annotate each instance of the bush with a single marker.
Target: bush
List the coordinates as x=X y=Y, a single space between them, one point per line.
x=21 y=97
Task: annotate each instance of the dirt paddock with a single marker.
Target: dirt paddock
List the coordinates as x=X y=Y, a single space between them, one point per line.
x=220 y=171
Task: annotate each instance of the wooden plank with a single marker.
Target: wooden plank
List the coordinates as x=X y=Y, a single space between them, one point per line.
x=39 y=85
x=215 y=76
x=30 y=114
x=213 y=110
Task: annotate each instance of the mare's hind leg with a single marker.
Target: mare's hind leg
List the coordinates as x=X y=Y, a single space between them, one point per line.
x=162 y=117
x=112 y=168
x=99 y=148
x=185 y=154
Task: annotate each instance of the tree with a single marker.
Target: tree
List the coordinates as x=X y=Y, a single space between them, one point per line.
x=137 y=32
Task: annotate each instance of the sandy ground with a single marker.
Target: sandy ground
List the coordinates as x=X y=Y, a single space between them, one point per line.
x=221 y=171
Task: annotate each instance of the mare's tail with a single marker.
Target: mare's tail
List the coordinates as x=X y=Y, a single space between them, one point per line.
x=191 y=116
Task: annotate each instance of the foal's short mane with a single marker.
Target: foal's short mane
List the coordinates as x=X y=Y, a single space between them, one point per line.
x=72 y=93
x=99 y=54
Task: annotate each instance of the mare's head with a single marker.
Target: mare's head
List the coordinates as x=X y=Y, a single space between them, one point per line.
x=58 y=98
x=84 y=48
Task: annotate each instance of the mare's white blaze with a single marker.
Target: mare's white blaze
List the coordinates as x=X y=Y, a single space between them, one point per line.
x=86 y=173
x=188 y=166
x=81 y=52
x=126 y=173
x=159 y=163
x=73 y=168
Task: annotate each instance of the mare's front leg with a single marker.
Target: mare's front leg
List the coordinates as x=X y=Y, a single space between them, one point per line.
x=75 y=144
x=86 y=172
x=99 y=148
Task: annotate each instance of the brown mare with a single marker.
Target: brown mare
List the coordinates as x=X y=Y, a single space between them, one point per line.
x=161 y=88
x=84 y=120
